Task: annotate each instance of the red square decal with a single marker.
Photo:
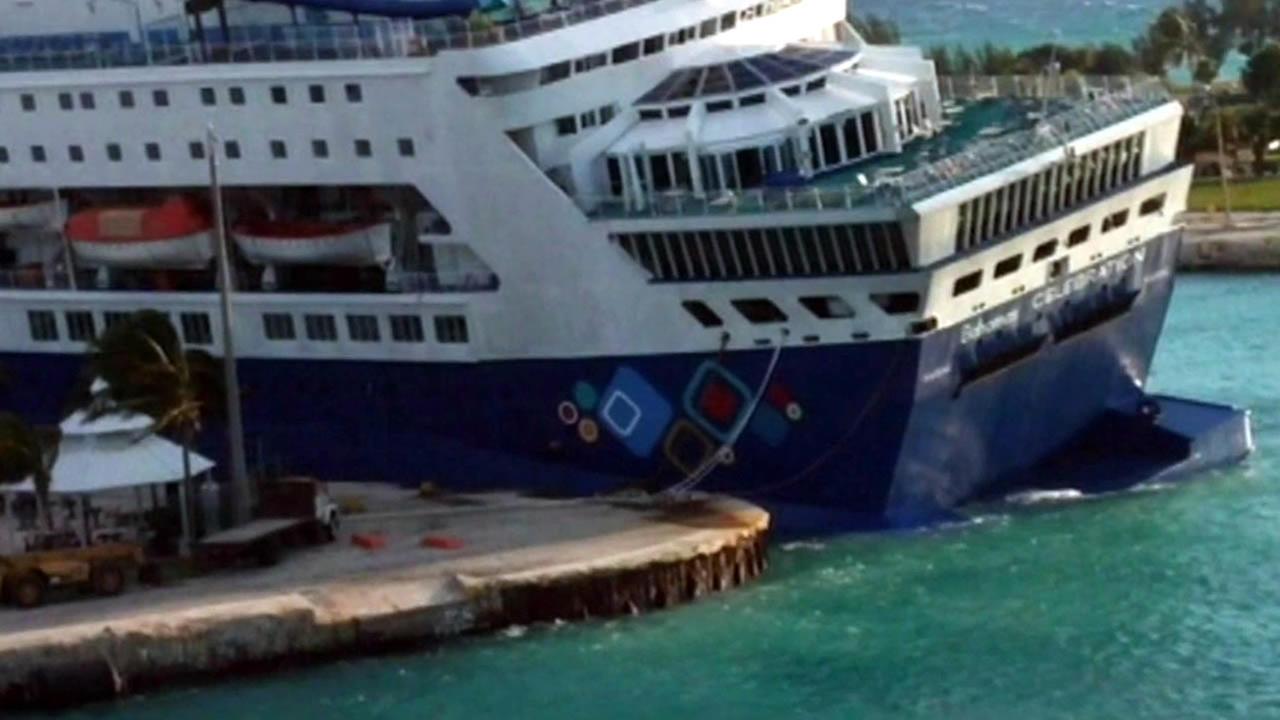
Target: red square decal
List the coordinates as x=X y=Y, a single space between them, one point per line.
x=719 y=403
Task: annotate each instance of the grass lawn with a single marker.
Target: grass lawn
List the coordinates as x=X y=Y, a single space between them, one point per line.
x=1263 y=194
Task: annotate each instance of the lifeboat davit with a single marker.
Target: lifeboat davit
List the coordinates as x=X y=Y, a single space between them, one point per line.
x=175 y=235
x=38 y=214
x=314 y=242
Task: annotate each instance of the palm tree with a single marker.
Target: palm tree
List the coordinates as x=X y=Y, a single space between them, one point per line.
x=147 y=371
x=29 y=452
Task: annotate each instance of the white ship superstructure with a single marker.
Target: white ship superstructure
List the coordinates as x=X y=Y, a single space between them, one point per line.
x=589 y=244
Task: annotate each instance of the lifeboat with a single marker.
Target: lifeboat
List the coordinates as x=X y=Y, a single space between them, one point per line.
x=314 y=242
x=27 y=214
x=174 y=235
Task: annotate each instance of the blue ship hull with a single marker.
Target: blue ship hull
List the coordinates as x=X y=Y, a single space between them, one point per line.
x=900 y=430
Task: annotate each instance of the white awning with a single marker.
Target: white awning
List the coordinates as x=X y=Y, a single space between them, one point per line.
x=118 y=460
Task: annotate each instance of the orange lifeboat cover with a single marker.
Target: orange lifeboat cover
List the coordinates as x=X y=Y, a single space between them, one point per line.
x=176 y=217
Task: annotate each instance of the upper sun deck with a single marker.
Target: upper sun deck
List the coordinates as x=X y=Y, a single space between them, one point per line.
x=379 y=38
x=981 y=140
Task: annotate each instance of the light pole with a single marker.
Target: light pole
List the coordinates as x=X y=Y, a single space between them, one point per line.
x=240 y=497
x=1222 y=156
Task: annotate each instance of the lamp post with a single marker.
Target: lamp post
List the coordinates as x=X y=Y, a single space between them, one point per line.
x=240 y=497
x=1222 y=155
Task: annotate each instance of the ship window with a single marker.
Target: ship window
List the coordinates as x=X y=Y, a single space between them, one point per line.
x=153 y=151
x=590 y=62
x=1008 y=265
x=114 y=153
x=80 y=326
x=232 y=150
x=568 y=124
x=405 y=145
x=320 y=149
x=759 y=311
x=587 y=119
x=870 y=141
x=709 y=27
x=727 y=21
x=407 y=329
x=29 y=102
x=625 y=53
x=160 y=98
x=1115 y=221
x=815 y=84
x=967 y=283
x=719 y=106
x=236 y=94
x=196 y=148
x=678 y=111
x=791 y=90
x=208 y=97
x=279 y=94
x=38 y=154
x=279 y=150
x=653 y=45
x=354 y=92
x=126 y=99
x=321 y=327
x=65 y=102
x=43 y=324
x=1045 y=250
x=4 y=155
x=1151 y=206
x=363 y=328
x=75 y=153
x=364 y=148
x=278 y=326
x=196 y=329
x=827 y=307
x=749 y=100
x=606 y=114
x=451 y=329
x=703 y=313
x=87 y=101
x=556 y=72
x=899 y=303
x=317 y=93
x=644 y=115
x=1078 y=236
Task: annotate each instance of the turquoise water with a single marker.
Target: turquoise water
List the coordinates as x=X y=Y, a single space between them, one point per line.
x=1157 y=604
x=1017 y=23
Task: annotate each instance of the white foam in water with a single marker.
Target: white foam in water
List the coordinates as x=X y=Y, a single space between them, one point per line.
x=803 y=545
x=515 y=631
x=1041 y=497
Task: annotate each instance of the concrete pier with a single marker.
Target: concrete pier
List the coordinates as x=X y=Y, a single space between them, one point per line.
x=512 y=561
x=1250 y=244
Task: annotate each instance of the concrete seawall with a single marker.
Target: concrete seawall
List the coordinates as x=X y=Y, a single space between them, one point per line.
x=1250 y=244
x=572 y=561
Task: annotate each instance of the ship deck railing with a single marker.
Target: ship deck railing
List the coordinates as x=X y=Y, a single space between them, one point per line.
x=370 y=39
x=980 y=158
x=399 y=282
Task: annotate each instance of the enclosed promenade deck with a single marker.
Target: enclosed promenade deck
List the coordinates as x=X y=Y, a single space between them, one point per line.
x=510 y=561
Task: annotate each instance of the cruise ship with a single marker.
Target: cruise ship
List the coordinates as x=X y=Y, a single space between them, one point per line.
x=580 y=247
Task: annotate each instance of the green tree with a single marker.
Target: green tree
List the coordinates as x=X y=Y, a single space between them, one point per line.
x=1174 y=40
x=148 y=371
x=1262 y=76
x=29 y=452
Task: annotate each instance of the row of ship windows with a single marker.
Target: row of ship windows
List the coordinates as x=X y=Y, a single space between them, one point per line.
x=809 y=251
x=831 y=145
x=573 y=124
x=197 y=329
x=196 y=149
x=128 y=100
x=1045 y=250
x=763 y=311
x=652 y=45
x=1058 y=187
x=679 y=111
